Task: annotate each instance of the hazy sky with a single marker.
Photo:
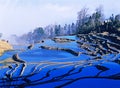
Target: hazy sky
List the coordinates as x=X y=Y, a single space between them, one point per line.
x=21 y=16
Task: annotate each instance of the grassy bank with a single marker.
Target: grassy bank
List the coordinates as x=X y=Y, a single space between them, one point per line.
x=4 y=46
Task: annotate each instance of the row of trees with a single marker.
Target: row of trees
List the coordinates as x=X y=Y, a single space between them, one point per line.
x=49 y=31
x=58 y=30
x=86 y=23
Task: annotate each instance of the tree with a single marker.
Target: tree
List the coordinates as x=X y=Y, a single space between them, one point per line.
x=100 y=13
x=1 y=35
x=82 y=19
x=57 y=30
x=38 y=34
x=98 y=18
x=65 y=29
x=117 y=20
x=114 y=23
x=117 y=23
x=73 y=28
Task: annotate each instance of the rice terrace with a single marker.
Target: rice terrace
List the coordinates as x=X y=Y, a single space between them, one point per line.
x=81 y=54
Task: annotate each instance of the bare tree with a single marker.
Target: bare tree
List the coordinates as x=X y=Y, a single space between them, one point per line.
x=82 y=18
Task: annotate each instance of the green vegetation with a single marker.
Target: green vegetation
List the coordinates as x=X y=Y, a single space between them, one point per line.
x=96 y=22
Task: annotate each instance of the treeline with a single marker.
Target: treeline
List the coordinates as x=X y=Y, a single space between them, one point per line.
x=96 y=22
x=49 y=31
x=86 y=23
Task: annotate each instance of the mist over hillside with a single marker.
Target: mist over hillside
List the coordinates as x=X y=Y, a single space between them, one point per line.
x=85 y=23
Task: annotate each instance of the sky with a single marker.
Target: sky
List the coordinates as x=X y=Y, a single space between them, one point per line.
x=22 y=16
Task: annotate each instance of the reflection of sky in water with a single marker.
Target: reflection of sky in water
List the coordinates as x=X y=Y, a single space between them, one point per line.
x=58 y=64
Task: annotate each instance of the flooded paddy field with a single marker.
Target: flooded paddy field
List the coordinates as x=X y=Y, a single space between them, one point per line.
x=82 y=61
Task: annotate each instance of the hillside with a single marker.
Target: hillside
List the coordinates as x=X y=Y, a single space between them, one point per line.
x=4 y=46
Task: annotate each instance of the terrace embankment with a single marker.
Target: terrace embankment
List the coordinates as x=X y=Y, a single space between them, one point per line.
x=62 y=40
x=62 y=49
